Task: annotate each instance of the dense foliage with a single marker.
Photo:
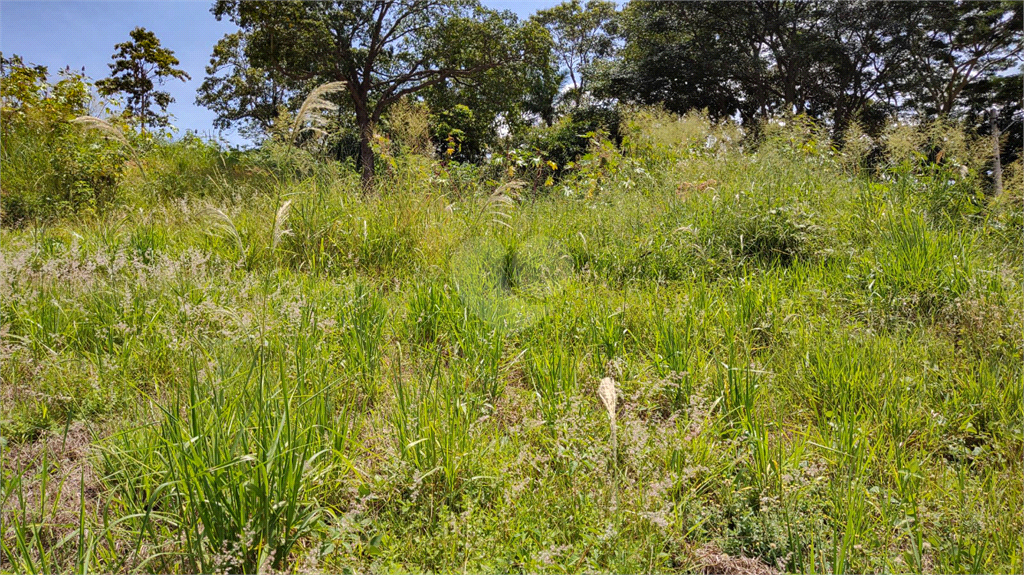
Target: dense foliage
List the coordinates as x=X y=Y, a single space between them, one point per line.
x=49 y=166
x=850 y=61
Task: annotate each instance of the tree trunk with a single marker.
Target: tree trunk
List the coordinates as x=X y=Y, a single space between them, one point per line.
x=366 y=158
x=997 y=166
x=365 y=149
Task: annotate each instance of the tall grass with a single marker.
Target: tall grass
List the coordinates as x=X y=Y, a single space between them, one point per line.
x=553 y=373
x=228 y=469
x=813 y=367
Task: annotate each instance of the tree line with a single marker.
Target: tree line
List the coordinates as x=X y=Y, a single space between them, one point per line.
x=484 y=74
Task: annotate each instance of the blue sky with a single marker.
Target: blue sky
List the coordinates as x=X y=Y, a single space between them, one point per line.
x=83 y=33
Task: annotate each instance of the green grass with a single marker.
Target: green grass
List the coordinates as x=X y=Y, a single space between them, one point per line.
x=270 y=369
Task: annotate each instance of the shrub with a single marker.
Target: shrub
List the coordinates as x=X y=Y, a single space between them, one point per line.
x=51 y=167
x=569 y=139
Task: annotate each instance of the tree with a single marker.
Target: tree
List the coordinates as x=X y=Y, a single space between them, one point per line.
x=543 y=87
x=857 y=60
x=668 y=60
x=957 y=44
x=583 y=35
x=500 y=101
x=993 y=108
x=137 y=65
x=963 y=55
x=863 y=55
x=241 y=93
x=383 y=50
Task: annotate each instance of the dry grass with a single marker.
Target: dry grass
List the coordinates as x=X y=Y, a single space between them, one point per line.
x=56 y=481
x=714 y=562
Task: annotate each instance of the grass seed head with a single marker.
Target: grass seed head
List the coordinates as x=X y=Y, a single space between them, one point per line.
x=606 y=391
x=311 y=111
x=280 y=219
x=102 y=126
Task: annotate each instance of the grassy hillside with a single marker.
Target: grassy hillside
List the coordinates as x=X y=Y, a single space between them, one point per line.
x=250 y=363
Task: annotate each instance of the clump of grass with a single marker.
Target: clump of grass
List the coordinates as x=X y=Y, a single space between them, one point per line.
x=432 y=421
x=674 y=347
x=554 y=377
x=361 y=338
x=738 y=387
x=609 y=333
x=230 y=466
x=917 y=271
x=431 y=311
x=483 y=346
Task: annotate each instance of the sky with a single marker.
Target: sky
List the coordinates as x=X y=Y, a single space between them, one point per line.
x=82 y=34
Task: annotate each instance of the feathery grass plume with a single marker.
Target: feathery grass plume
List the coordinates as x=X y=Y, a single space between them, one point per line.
x=110 y=132
x=100 y=125
x=279 y=222
x=312 y=108
x=510 y=186
x=225 y=224
x=606 y=392
x=502 y=200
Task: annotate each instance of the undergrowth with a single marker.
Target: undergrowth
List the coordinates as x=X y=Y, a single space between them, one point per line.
x=263 y=366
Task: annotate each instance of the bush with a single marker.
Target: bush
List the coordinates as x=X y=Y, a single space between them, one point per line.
x=569 y=139
x=51 y=167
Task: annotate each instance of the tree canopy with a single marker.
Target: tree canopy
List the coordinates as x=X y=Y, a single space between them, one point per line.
x=858 y=60
x=583 y=35
x=138 y=67
x=383 y=50
x=483 y=73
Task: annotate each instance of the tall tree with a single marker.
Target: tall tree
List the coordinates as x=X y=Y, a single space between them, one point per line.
x=863 y=55
x=240 y=93
x=383 y=50
x=140 y=65
x=856 y=60
x=727 y=58
x=993 y=108
x=583 y=35
x=956 y=44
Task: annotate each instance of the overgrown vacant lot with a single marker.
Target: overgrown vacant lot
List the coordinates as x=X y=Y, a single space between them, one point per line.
x=261 y=366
